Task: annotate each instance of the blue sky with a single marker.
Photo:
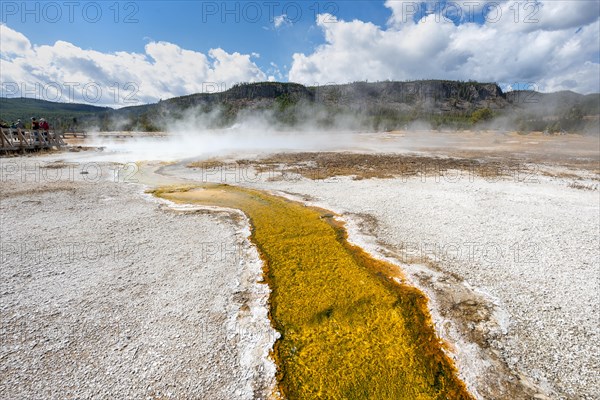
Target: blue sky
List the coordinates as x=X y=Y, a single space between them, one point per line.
x=150 y=50
x=245 y=27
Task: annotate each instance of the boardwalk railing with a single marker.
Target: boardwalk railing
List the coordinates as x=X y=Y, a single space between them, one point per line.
x=21 y=140
x=74 y=135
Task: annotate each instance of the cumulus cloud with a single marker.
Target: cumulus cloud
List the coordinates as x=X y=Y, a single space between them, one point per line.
x=552 y=44
x=13 y=43
x=65 y=72
x=281 y=20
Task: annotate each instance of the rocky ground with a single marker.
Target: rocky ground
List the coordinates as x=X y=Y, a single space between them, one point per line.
x=528 y=253
x=106 y=293
x=506 y=248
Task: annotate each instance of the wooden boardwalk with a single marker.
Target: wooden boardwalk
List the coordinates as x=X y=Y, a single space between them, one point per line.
x=18 y=140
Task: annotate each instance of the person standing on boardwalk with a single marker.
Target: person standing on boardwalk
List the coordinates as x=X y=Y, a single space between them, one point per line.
x=17 y=129
x=35 y=129
x=44 y=125
x=45 y=128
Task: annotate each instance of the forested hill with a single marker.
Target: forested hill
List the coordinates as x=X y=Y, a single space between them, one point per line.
x=363 y=105
x=12 y=109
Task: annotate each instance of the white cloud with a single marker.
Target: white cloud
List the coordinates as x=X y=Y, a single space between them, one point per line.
x=406 y=12
x=559 y=51
x=567 y=14
x=275 y=72
x=13 y=43
x=280 y=21
x=65 y=72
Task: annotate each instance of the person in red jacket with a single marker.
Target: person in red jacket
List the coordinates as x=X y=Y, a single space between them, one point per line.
x=44 y=125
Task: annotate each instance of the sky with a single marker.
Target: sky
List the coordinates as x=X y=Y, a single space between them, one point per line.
x=121 y=53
